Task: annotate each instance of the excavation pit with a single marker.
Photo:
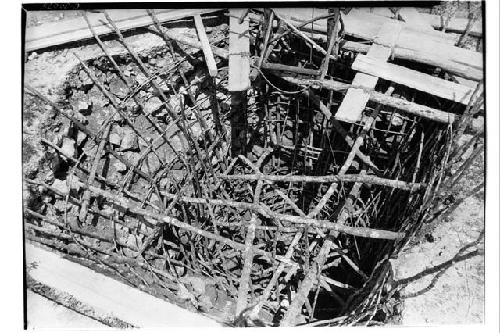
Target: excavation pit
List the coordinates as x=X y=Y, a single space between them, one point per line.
x=255 y=207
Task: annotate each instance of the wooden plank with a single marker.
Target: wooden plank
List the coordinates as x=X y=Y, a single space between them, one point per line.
x=354 y=102
x=464 y=70
x=402 y=105
x=44 y=313
x=107 y=296
x=239 y=51
x=58 y=33
x=413 y=79
x=205 y=46
x=359 y=23
x=411 y=41
x=433 y=48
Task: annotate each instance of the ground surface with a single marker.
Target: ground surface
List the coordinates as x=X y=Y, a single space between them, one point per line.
x=456 y=296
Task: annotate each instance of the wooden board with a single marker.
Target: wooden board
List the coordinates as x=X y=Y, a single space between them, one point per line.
x=107 y=296
x=425 y=46
x=58 y=33
x=239 y=51
x=354 y=102
x=205 y=46
x=413 y=79
x=410 y=41
x=360 y=23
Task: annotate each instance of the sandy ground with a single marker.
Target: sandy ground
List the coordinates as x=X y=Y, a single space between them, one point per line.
x=454 y=295
x=458 y=295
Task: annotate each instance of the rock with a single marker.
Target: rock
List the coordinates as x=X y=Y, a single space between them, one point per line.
x=177 y=143
x=141 y=78
x=164 y=87
x=110 y=76
x=175 y=103
x=129 y=141
x=119 y=166
x=151 y=164
x=132 y=242
x=397 y=121
x=97 y=98
x=84 y=107
x=196 y=130
x=203 y=101
x=61 y=186
x=462 y=140
x=90 y=150
x=184 y=294
x=74 y=182
x=161 y=62
x=69 y=147
x=118 y=88
x=32 y=55
x=80 y=137
x=287 y=137
x=132 y=157
x=107 y=210
x=152 y=105
x=164 y=182
x=80 y=117
x=85 y=78
x=131 y=106
x=225 y=106
x=60 y=206
x=115 y=139
x=117 y=117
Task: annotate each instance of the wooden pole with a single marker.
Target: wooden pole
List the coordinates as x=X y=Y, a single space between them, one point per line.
x=239 y=78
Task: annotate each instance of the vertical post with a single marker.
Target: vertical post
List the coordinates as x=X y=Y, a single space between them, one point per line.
x=239 y=81
x=332 y=31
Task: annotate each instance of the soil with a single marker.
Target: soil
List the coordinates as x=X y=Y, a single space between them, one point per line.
x=453 y=294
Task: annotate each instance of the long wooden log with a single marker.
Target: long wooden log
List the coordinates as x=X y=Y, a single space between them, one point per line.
x=399 y=104
x=366 y=179
x=292 y=69
x=413 y=79
x=258 y=208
